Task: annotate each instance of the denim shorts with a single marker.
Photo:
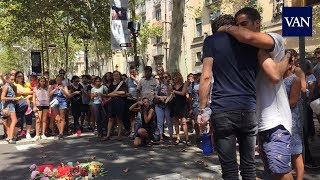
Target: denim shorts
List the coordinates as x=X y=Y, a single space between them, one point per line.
x=275 y=150
x=62 y=105
x=11 y=106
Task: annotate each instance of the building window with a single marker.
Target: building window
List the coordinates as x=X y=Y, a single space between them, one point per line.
x=198 y=27
x=158 y=39
x=143 y=18
x=158 y=13
x=198 y=57
x=213 y=16
x=277 y=7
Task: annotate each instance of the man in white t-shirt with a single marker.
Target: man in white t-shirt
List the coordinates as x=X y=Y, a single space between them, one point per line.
x=273 y=110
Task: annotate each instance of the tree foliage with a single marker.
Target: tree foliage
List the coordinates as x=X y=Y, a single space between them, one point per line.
x=59 y=22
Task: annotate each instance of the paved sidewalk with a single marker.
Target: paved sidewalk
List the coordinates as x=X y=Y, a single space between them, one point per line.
x=121 y=159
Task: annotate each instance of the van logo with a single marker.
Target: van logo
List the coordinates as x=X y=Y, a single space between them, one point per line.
x=297 y=21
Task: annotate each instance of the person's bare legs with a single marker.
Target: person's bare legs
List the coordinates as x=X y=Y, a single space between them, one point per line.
x=132 y=122
x=6 y=126
x=110 y=126
x=57 y=118
x=185 y=128
x=120 y=125
x=299 y=166
x=38 y=120
x=142 y=134
x=12 y=126
x=62 y=113
x=287 y=176
x=44 y=120
x=177 y=129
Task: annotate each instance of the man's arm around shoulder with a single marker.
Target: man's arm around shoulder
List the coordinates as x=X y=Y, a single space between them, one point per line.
x=244 y=35
x=273 y=70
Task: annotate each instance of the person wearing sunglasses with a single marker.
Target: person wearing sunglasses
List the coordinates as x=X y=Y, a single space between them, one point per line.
x=65 y=80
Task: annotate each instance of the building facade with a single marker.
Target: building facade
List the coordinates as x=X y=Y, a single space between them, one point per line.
x=197 y=19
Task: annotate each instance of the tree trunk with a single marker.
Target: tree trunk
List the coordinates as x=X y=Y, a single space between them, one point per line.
x=66 y=45
x=176 y=34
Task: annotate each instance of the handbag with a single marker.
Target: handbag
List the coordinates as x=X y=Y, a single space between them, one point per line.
x=5 y=112
x=169 y=98
x=315 y=106
x=54 y=103
x=106 y=100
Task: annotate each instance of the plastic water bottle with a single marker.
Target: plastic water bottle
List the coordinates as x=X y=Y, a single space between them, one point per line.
x=207 y=147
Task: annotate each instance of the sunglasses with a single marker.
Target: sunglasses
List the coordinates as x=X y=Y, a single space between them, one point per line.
x=317 y=52
x=19 y=76
x=165 y=77
x=62 y=73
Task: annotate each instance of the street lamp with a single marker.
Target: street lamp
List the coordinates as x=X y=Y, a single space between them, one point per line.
x=85 y=39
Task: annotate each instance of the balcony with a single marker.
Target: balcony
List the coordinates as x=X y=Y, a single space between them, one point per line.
x=130 y=59
x=142 y=7
x=208 y=3
x=157 y=51
x=156 y=3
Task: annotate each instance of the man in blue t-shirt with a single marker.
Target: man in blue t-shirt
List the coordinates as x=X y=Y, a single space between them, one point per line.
x=233 y=66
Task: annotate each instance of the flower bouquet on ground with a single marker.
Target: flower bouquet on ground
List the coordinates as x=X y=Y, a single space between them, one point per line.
x=70 y=171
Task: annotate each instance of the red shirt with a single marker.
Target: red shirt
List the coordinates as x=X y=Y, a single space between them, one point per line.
x=33 y=84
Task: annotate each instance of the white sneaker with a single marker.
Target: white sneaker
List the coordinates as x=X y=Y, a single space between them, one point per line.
x=28 y=136
x=44 y=137
x=36 y=138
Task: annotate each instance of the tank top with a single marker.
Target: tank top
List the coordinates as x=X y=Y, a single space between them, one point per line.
x=179 y=99
x=42 y=97
x=10 y=92
x=59 y=95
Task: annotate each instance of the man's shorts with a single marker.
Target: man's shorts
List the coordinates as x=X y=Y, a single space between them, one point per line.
x=275 y=150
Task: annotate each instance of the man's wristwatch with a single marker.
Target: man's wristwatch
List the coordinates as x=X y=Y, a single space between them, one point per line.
x=228 y=27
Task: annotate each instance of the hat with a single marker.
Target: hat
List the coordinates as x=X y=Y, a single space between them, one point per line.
x=33 y=74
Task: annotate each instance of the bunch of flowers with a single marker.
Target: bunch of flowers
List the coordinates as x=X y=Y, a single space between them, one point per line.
x=71 y=171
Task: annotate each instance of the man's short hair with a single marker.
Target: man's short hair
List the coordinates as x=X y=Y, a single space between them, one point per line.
x=222 y=20
x=317 y=49
x=148 y=68
x=252 y=13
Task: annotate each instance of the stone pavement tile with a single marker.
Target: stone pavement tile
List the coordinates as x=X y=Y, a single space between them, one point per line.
x=172 y=176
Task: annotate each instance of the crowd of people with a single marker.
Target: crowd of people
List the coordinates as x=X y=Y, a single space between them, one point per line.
x=252 y=85
x=138 y=107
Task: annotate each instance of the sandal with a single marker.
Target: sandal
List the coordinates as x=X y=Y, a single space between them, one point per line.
x=178 y=141
x=120 y=138
x=107 y=138
x=188 y=143
x=10 y=141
